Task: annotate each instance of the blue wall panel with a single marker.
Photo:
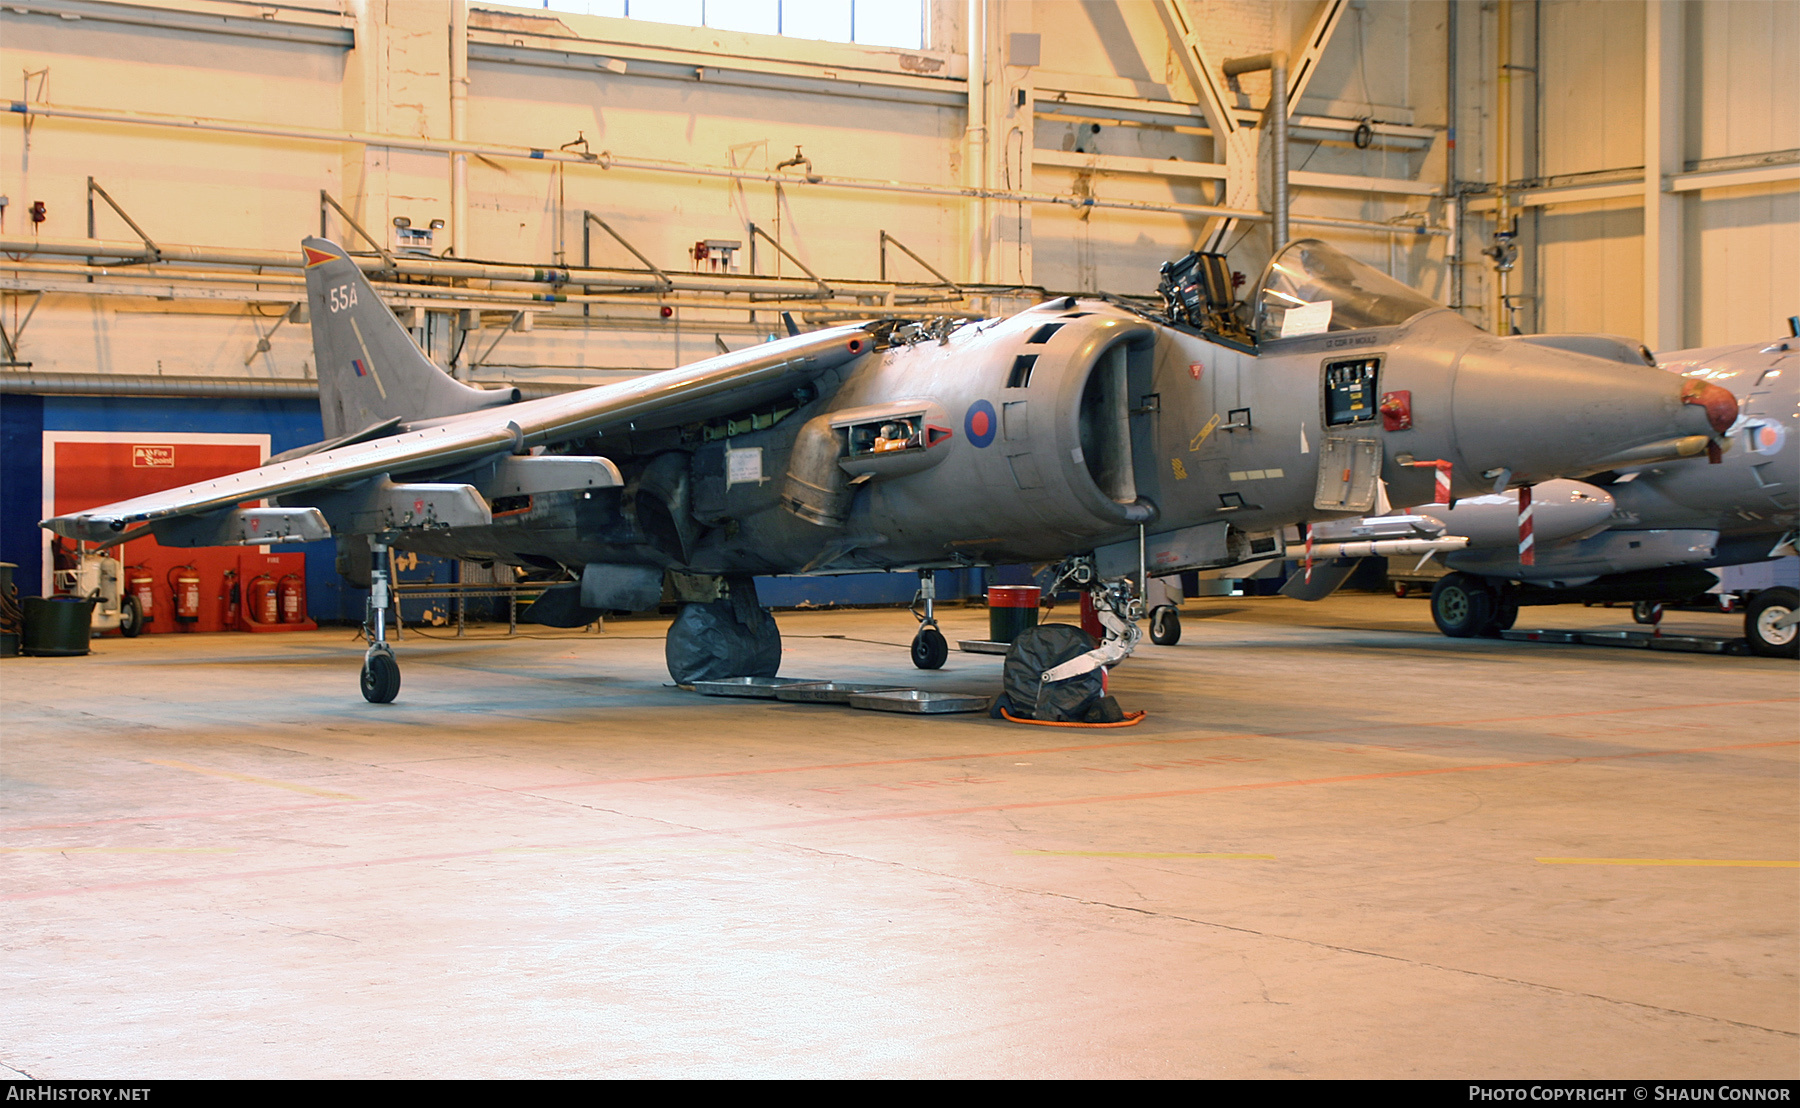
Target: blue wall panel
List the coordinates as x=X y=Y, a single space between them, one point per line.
x=22 y=488
x=864 y=588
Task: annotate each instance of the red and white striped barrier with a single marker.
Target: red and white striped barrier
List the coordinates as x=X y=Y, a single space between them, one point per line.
x=1527 y=544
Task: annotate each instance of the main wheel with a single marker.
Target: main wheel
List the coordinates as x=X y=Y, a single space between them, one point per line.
x=131 y=617
x=380 y=678
x=1461 y=605
x=929 y=650
x=1761 y=615
x=1165 y=625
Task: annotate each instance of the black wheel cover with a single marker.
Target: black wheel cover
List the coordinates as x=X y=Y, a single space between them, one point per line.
x=710 y=642
x=1044 y=647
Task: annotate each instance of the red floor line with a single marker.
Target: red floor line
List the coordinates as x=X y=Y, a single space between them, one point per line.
x=664 y=778
x=1127 y=743
x=873 y=817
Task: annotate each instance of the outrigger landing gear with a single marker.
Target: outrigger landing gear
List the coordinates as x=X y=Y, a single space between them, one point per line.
x=929 y=649
x=380 y=671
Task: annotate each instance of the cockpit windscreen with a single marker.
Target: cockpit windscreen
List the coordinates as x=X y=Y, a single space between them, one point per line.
x=1312 y=287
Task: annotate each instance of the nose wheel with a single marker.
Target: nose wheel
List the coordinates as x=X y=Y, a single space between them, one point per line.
x=929 y=650
x=380 y=675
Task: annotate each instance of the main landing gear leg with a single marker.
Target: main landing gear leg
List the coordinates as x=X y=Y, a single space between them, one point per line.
x=929 y=650
x=380 y=672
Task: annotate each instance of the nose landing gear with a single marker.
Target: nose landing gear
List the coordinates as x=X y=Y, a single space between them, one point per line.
x=929 y=648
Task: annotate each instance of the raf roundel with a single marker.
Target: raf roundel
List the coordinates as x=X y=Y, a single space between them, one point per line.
x=980 y=423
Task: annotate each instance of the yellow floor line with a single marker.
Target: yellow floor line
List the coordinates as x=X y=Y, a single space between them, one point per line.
x=249 y=780
x=612 y=850
x=1144 y=854
x=1669 y=862
x=118 y=850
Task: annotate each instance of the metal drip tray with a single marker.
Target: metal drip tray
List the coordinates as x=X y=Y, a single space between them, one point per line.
x=828 y=692
x=760 y=687
x=918 y=700
x=1639 y=639
x=1542 y=636
x=983 y=646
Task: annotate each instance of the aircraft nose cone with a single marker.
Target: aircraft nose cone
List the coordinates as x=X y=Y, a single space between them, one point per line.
x=1544 y=412
x=1721 y=407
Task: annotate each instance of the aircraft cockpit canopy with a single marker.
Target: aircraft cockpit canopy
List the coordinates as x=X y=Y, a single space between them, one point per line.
x=1311 y=287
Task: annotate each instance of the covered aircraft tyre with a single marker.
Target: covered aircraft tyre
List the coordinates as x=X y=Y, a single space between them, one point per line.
x=1036 y=650
x=929 y=650
x=1165 y=625
x=1461 y=605
x=1765 y=610
x=715 y=640
x=380 y=678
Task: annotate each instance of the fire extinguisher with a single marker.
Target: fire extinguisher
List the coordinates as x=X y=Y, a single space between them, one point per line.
x=228 y=600
x=184 y=588
x=293 y=599
x=260 y=603
x=137 y=583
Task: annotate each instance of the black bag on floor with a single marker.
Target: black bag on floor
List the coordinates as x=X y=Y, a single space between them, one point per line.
x=1041 y=648
x=720 y=639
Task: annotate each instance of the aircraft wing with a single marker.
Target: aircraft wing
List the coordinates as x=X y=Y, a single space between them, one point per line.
x=716 y=386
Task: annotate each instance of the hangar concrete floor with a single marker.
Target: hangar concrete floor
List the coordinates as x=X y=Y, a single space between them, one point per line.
x=1339 y=846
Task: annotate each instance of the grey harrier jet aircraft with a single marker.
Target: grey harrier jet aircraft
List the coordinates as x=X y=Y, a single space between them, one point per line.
x=1644 y=533
x=1107 y=440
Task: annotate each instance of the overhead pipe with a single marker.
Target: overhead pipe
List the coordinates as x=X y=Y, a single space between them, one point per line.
x=1275 y=117
x=420 y=266
x=606 y=160
x=459 y=127
x=976 y=131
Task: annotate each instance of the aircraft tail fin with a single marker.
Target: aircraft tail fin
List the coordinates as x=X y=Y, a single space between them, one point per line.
x=369 y=369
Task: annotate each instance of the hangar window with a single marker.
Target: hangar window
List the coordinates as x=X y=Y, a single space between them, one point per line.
x=867 y=22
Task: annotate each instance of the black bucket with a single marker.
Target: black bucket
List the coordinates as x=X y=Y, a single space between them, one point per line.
x=57 y=626
x=1011 y=609
x=10 y=621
